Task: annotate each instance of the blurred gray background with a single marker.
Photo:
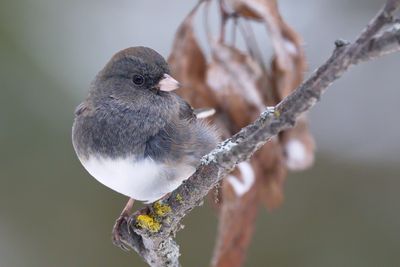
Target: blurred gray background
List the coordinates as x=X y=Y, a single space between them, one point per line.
x=343 y=212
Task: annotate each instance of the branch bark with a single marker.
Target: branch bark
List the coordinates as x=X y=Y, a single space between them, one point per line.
x=150 y=231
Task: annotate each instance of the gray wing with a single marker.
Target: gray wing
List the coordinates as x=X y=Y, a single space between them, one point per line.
x=187 y=112
x=184 y=138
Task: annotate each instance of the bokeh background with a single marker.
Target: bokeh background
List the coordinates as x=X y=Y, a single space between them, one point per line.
x=342 y=212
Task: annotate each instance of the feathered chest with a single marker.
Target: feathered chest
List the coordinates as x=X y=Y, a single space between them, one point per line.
x=115 y=131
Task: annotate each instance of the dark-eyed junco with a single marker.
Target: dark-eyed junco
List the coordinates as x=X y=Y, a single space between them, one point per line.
x=133 y=134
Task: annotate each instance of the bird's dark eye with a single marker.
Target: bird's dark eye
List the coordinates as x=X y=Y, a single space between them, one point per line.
x=138 y=79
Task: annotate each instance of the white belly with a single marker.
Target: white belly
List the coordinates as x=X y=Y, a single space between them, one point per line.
x=143 y=180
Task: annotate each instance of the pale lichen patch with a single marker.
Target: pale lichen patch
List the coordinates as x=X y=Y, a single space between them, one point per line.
x=224 y=146
x=179 y=198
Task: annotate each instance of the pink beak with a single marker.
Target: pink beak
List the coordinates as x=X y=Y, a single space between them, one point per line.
x=168 y=83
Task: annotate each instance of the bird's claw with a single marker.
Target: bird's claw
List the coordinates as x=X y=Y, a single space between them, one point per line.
x=130 y=221
x=116 y=234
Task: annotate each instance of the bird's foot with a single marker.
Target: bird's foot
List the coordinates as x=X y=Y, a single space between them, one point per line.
x=117 y=240
x=122 y=221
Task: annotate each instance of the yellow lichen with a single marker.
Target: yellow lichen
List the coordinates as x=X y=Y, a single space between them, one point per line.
x=147 y=222
x=277 y=113
x=179 y=198
x=161 y=209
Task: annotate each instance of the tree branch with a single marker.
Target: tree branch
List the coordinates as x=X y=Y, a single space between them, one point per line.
x=150 y=231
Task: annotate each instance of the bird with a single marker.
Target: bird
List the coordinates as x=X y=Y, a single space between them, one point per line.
x=134 y=134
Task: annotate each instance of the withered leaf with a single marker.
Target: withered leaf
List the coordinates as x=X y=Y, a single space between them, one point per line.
x=272 y=174
x=233 y=76
x=236 y=224
x=188 y=65
x=267 y=12
x=298 y=146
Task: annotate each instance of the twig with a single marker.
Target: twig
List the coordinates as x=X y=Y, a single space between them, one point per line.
x=154 y=242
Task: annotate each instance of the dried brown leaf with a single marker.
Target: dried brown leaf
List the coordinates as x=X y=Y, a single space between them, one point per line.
x=236 y=224
x=272 y=174
x=267 y=11
x=288 y=78
x=298 y=146
x=233 y=77
x=297 y=143
x=241 y=73
x=243 y=9
x=188 y=65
